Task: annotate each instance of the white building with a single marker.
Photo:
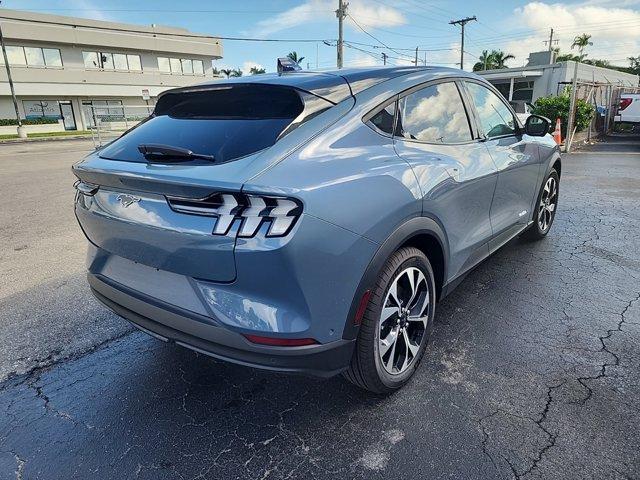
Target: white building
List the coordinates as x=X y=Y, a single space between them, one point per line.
x=61 y=66
x=540 y=78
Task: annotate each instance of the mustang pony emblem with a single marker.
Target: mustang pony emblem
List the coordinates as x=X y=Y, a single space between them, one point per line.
x=127 y=200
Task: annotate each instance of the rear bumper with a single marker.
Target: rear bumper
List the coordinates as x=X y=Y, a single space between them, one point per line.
x=196 y=332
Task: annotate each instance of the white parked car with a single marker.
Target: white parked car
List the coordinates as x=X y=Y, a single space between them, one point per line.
x=628 y=108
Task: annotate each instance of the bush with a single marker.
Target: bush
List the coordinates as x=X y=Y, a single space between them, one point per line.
x=554 y=106
x=4 y=122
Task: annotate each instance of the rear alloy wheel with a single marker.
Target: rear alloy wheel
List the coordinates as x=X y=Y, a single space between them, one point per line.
x=546 y=208
x=396 y=325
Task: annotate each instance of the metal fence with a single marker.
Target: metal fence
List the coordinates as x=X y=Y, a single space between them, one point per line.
x=107 y=122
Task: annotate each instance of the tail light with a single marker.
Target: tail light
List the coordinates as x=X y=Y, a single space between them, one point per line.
x=251 y=210
x=624 y=103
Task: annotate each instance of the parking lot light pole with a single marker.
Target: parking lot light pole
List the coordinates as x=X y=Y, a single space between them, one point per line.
x=21 y=131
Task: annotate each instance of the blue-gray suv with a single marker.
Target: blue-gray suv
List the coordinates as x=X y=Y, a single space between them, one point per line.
x=310 y=221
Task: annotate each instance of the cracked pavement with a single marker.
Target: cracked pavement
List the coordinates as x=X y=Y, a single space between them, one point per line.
x=533 y=370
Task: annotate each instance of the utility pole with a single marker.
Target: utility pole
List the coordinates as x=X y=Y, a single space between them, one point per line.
x=572 y=107
x=21 y=131
x=462 y=22
x=551 y=42
x=341 y=13
x=384 y=58
x=415 y=62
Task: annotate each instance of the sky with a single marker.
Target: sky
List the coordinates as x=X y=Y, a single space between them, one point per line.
x=395 y=27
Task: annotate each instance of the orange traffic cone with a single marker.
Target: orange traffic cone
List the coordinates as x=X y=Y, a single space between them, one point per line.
x=557 y=133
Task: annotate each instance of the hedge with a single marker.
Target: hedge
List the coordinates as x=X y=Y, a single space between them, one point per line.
x=4 y=122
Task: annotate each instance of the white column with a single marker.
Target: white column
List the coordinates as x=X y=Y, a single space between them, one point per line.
x=511 y=90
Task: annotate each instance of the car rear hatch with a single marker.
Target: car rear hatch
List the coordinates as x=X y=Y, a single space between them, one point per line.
x=155 y=195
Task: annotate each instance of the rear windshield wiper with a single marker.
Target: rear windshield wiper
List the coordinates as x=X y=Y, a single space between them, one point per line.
x=168 y=153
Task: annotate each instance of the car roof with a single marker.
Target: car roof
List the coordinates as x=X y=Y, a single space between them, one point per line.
x=334 y=85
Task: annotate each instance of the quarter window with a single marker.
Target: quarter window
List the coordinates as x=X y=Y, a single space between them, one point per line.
x=434 y=114
x=383 y=120
x=495 y=117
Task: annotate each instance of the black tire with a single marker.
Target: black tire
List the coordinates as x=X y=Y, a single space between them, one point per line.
x=366 y=369
x=535 y=231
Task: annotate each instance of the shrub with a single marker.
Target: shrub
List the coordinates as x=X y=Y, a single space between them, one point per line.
x=4 y=122
x=554 y=106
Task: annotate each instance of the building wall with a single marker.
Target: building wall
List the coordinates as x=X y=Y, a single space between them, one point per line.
x=76 y=83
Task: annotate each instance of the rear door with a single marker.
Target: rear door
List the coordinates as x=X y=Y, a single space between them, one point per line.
x=455 y=172
x=516 y=158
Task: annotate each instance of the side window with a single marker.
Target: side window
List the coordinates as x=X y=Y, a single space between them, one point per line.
x=383 y=120
x=495 y=117
x=434 y=114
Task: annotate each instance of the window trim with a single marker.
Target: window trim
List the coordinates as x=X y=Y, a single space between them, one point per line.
x=430 y=83
x=482 y=135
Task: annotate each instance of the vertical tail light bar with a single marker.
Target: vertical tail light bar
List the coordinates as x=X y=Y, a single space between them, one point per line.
x=250 y=210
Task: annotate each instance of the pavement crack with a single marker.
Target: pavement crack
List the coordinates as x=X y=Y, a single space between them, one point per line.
x=604 y=348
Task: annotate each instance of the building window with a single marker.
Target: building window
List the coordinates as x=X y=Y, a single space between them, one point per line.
x=16 y=56
x=176 y=65
x=120 y=61
x=184 y=66
x=164 y=65
x=41 y=109
x=52 y=57
x=91 y=59
x=33 y=56
x=112 y=61
x=134 y=63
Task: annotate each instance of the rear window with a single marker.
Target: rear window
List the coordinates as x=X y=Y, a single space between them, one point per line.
x=227 y=122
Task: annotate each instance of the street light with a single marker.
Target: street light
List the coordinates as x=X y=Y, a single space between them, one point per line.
x=21 y=131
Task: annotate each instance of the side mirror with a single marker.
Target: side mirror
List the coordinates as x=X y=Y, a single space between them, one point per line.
x=537 y=126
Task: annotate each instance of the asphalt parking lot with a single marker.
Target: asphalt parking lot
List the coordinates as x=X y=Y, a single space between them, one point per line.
x=533 y=370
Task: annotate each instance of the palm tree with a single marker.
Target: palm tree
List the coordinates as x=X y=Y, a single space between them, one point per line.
x=484 y=62
x=215 y=72
x=491 y=61
x=294 y=56
x=499 y=58
x=582 y=41
x=256 y=70
x=236 y=72
x=226 y=71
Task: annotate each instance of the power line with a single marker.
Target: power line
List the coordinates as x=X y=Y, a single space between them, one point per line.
x=372 y=36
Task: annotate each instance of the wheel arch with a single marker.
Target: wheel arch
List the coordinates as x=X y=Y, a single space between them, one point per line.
x=424 y=233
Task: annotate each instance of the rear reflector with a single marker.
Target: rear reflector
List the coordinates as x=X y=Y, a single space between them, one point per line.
x=624 y=103
x=362 y=307
x=280 y=342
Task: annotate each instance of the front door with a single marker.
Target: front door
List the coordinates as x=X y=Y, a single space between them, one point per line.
x=516 y=159
x=68 y=118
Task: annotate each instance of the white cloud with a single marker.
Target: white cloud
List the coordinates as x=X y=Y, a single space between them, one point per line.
x=324 y=10
x=615 y=32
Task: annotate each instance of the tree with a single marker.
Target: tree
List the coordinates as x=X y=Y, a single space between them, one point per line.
x=215 y=72
x=256 y=70
x=236 y=72
x=634 y=64
x=491 y=61
x=226 y=71
x=294 y=56
x=484 y=62
x=581 y=42
x=499 y=58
